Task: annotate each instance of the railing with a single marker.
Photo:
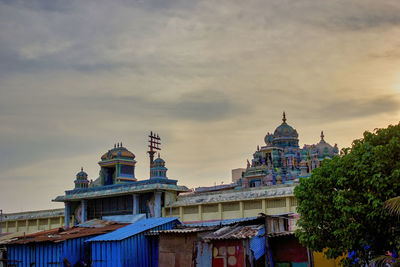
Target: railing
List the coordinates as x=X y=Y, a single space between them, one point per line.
x=125 y=184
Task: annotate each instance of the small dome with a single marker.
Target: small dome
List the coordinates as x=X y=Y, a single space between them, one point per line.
x=158 y=162
x=158 y=170
x=285 y=130
x=81 y=175
x=324 y=148
x=118 y=152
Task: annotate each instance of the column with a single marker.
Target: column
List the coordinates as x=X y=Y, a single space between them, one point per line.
x=157 y=204
x=135 y=208
x=264 y=206
x=49 y=223
x=181 y=213
x=27 y=226
x=67 y=214
x=241 y=209
x=200 y=212
x=287 y=204
x=220 y=211
x=84 y=210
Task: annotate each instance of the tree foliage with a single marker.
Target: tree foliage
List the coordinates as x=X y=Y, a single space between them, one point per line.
x=341 y=205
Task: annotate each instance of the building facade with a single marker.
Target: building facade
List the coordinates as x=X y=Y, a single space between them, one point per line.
x=117 y=191
x=282 y=161
x=32 y=221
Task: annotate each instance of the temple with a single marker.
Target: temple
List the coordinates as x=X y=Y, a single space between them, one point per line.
x=282 y=161
x=117 y=191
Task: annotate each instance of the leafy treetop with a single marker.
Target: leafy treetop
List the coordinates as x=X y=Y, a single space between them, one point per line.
x=341 y=204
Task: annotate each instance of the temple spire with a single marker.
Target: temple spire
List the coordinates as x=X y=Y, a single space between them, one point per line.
x=284 y=117
x=322 y=135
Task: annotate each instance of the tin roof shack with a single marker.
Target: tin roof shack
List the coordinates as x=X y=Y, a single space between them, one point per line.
x=238 y=245
x=130 y=246
x=232 y=242
x=183 y=247
x=57 y=246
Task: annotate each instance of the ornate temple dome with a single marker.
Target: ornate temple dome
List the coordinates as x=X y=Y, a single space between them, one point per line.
x=118 y=151
x=158 y=170
x=81 y=180
x=285 y=130
x=325 y=149
x=159 y=162
x=81 y=175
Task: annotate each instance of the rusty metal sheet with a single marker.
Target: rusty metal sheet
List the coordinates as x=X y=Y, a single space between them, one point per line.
x=60 y=234
x=235 y=232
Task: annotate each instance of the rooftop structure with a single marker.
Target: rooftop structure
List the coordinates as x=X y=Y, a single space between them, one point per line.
x=282 y=161
x=117 y=191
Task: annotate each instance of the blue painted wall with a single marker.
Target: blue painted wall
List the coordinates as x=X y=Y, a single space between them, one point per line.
x=47 y=253
x=138 y=250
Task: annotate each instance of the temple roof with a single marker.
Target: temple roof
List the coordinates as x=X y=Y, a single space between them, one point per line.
x=118 y=152
x=285 y=130
x=81 y=175
x=122 y=189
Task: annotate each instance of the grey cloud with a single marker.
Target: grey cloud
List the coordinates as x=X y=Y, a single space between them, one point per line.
x=41 y=5
x=78 y=74
x=351 y=108
x=30 y=150
x=207 y=105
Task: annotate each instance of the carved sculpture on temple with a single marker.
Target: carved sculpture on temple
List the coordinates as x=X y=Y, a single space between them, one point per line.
x=282 y=158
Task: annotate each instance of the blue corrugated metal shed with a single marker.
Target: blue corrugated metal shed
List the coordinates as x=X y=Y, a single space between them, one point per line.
x=129 y=246
x=50 y=248
x=133 y=229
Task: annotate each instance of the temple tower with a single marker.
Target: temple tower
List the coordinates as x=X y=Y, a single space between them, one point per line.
x=117 y=165
x=158 y=169
x=81 y=180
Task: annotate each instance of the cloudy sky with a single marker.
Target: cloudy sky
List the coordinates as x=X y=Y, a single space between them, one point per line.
x=211 y=77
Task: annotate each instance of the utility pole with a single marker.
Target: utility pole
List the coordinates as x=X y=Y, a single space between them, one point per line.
x=154 y=145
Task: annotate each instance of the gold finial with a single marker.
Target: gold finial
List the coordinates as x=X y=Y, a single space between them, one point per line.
x=322 y=135
x=284 y=117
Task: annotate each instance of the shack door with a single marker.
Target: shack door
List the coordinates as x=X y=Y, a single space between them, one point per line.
x=228 y=254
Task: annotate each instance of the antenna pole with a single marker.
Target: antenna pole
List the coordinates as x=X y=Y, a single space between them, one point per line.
x=154 y=145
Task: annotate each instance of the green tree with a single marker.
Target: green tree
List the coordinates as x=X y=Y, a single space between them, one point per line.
x=341 y=204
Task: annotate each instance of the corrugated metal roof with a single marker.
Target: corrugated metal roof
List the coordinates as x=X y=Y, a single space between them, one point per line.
x=179 y=231
x=133 y=229
x=96 y=223
x=60 y=235
x=235 y=232
x=286 y=233
x=220 y=222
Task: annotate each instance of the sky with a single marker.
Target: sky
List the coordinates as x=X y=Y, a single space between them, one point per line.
x=210 y=77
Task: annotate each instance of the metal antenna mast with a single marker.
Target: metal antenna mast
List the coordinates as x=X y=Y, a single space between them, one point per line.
x=154 y=145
